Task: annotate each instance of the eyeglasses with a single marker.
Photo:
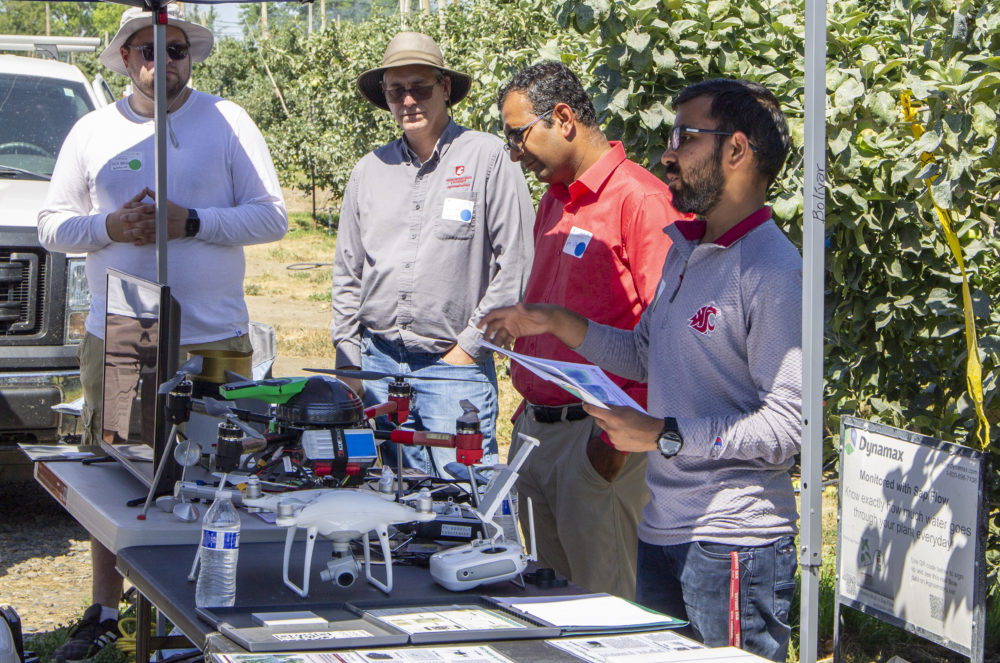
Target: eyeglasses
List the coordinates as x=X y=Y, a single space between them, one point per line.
x=675 y=135
x=174 y=51
x=418 y=92
x=515 y=137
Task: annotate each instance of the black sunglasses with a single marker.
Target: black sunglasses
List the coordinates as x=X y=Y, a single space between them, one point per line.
x=174 y=51
x=514 y=139
x=418 y=92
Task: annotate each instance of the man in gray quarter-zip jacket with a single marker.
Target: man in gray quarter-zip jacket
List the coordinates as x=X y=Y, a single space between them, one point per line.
x=720 y=348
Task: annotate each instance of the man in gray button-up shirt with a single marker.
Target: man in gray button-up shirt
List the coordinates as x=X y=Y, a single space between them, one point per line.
x=435 y=230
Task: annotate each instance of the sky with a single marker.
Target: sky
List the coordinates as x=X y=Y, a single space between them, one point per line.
x=227 y=22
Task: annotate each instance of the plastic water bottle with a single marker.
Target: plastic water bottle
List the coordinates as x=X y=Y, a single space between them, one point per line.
x=220 y=550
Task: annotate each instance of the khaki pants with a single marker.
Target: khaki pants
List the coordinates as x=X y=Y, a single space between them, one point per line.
x=585 y=527
x=91 y=356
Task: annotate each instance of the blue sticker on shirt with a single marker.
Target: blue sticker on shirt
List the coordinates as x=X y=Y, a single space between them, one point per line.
x=577 y=242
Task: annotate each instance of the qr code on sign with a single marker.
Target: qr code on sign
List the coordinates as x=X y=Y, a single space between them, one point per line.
x=937 y=607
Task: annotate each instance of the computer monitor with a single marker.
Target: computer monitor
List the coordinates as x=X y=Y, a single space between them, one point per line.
x=141 y=332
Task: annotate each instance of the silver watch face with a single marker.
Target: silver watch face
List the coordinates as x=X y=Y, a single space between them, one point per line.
x=669 y=444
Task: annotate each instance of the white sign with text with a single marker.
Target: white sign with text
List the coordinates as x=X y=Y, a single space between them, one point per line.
x=908 y=530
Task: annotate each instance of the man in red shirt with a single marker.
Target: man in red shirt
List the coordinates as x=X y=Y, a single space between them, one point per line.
x=599 y=250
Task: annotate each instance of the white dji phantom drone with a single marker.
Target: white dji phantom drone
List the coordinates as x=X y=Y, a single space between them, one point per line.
x=493 y=559
x=341 y=515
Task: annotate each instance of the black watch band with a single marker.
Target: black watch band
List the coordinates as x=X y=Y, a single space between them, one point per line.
x=670 y=441
x=193 y=223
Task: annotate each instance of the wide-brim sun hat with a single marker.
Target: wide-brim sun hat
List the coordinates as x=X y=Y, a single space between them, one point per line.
x=411 y=48
x=137 y=18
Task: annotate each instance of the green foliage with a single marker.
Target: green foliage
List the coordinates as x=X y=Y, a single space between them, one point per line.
x=320 y=126
x=67 y=19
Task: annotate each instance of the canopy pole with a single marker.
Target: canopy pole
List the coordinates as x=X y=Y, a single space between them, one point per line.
x=813 y=240
x=160 y=133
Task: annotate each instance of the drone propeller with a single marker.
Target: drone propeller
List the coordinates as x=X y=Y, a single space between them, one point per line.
x=359 y=374
x=217 y=408
x=470 y=413
x=233 y=376
x=191 y=367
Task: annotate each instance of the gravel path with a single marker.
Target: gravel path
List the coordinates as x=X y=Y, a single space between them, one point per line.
x=44 y=559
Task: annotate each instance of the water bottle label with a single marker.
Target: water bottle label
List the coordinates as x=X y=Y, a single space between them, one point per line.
x=220 y=540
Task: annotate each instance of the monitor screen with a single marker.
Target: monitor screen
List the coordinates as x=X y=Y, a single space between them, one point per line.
x=141 y=331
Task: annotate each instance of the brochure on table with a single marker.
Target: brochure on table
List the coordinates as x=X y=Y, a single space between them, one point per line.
x=585 y=381
x=588 y=613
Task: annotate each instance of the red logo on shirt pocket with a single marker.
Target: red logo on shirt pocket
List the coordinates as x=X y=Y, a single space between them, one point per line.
x=459 y=170
x=703 y=321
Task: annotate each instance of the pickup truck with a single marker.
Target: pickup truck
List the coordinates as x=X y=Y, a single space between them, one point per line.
x=43 y=296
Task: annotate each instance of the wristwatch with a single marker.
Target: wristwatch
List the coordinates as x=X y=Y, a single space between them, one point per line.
x=670 y=440
x=193 y=223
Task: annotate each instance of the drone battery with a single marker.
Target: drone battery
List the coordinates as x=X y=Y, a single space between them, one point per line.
x=320 y=444
x=455 y=527
x=339 y=451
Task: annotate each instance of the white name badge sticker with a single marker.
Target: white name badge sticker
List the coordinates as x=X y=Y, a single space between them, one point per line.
x=127 y=161
x=457 y=209
x=577 y=242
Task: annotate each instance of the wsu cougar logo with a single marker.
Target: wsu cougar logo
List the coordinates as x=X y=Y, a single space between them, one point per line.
x=703 y=321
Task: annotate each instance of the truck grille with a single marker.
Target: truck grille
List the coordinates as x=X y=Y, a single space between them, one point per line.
x=22 y=288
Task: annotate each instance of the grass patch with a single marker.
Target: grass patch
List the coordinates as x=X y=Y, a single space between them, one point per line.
x=279 y=254
x=294 y=341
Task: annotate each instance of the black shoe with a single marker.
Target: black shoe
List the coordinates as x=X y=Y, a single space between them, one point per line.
x=89 y=637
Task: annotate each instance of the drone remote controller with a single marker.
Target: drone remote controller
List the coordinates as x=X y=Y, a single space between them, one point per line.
x=488 y=560
x=482 y=561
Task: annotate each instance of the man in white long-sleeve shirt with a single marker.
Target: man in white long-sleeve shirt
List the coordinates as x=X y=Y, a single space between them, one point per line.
x=222 y=193
x=720 y=348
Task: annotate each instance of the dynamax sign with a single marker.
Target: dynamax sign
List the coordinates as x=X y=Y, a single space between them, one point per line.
x=910 y=548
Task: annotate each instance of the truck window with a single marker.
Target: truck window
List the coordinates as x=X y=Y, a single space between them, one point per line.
x=36 y=113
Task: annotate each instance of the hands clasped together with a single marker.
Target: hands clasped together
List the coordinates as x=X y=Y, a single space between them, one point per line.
x=135 y=221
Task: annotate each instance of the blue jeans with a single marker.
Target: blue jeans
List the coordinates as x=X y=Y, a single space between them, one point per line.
x=434 y=404
x=691 y=581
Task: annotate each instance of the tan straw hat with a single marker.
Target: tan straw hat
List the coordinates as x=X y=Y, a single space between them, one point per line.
x=137 y=18
x=411 y=48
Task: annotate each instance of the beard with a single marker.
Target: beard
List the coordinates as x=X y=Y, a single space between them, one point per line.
x=701 y=189
x=175 y=86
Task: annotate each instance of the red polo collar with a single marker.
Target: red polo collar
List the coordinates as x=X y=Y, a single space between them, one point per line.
x=695 y=229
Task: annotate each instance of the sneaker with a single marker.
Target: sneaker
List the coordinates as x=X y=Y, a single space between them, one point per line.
x=89 y=637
